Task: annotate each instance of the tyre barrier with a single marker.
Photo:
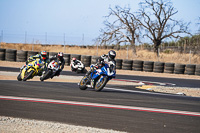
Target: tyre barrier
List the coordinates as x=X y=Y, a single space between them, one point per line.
x=2 y=54
x=86 y=60
x=169 y=67
x=179 y=68
x=21 y=56
x=31 y=53
x=67 y=59
x=127 y=64
x=158 y=67
x=94 y=59
x=190 y=69
x=137 y=65
x=148 y=66
x=77 y=56
x=197 y=70
x=51 y=54
x=10 y=55
x=119 y=63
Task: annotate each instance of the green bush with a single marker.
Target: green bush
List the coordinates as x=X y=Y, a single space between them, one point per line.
x=168 y=51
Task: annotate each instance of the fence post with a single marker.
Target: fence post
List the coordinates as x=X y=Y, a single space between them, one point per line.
x=127 y=52
x=190 y=57
x=64 y=42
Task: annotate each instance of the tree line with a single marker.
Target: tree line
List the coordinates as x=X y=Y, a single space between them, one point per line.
x=153 y=21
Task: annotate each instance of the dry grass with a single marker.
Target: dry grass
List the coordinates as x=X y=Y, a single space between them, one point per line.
x=121 y=54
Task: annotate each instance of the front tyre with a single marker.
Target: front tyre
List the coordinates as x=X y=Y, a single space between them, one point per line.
x=28 y=75
x=19 y=77
x=83 y=83
x=100 y=83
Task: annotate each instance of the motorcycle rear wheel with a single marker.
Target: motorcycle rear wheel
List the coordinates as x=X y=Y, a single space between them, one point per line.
x=83 y=83
x=46 y=75
x=100 y=84
x=28 y=75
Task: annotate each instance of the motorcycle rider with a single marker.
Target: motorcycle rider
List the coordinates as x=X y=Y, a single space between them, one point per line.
x=61 y=61
x=42 y=56
x=74 y=63
x=106 y=58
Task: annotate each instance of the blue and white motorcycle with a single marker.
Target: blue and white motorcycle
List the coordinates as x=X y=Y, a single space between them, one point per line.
x=98 y=78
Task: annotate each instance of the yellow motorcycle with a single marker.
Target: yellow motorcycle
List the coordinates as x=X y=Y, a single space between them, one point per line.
x=30 y=70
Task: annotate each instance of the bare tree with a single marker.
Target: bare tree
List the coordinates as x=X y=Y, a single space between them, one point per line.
x=123 y=29
x=155 y=16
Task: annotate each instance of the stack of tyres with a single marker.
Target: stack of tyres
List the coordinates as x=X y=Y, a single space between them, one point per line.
x=52 y=54
x=67 y=59
x=86 y=60
x=169 y=68
x=197 y=70
x=127 y=64
x=21 y=56
x=119 y=63
x=31 y=53
x=10 y=55
x=179 y=68
x=190 y=69
x=2 y=54
x=77 y=56
x=137 y=65
x=148 y=66
x=158 y=67
x=94 y=59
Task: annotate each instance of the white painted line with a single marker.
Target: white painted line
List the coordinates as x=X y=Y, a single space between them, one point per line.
x=145 y=82
x=156 y=110
x=144 y=92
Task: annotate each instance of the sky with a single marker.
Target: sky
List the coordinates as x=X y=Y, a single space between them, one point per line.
x=70 y=21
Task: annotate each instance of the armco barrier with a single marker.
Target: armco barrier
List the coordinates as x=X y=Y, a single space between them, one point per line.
x=124 y=64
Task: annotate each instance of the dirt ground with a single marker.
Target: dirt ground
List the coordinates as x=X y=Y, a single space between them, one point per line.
x=195 y=92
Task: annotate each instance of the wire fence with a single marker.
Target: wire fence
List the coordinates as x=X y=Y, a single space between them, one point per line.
x=46 y=38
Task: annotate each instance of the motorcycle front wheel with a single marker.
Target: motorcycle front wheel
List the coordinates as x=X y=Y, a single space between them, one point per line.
x=83 y=83
x=100 y=83
x=28 y=75
x=19 y=77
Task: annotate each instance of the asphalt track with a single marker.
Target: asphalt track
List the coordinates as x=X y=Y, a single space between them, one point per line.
x=146 y=79
x=122 y=108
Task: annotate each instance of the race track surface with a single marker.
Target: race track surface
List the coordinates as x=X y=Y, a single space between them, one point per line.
x=65 y=102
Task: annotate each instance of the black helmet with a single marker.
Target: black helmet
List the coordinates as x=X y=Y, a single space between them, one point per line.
x=111 y=54
x=60 y=55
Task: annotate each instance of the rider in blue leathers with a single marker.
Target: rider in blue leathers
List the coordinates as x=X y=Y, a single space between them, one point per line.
x=106 y=58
